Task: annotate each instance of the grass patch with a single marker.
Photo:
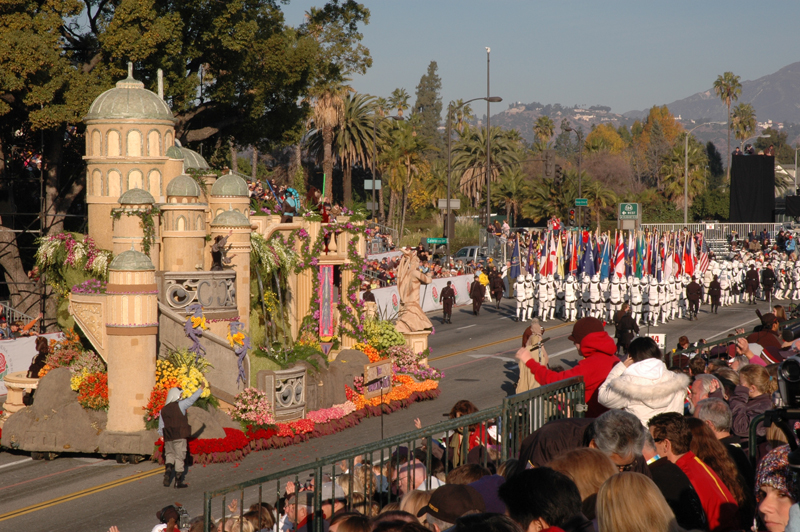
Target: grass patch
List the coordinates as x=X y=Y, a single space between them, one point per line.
x=259 y=363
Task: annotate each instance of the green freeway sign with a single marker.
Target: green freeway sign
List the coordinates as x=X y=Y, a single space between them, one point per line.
x=437 y=241
x=628 y=211
x=581 y=202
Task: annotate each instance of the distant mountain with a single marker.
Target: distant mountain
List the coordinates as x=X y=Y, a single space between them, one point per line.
x=775 y=97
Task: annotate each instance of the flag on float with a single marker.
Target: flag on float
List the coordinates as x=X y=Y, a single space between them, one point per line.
x=619 y=255
x=704 y=262
x=515 y=269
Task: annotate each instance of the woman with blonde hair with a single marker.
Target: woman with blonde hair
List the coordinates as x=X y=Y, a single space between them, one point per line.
x=589 y=469
x=413 y=501
x=631 y=502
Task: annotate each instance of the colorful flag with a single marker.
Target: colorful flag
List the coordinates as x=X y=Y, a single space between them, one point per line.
x=515 y=269
x=619 y=255
x=704 y=262
x=587 y=264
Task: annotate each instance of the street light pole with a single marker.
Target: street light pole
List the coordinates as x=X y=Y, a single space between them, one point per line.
x=488 y=146
x=450 y=110
x=375 y=153
x=795 y=167
x=580 y=175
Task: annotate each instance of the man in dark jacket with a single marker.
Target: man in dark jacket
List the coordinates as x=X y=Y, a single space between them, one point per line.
x=367 y=296
x=173 y=426
x=627 y=328
x=497 y=287
x=448 y=298
x=714 y=292
x=768 y=281
x=477 y=291
x=693 y=294
x=751 y=284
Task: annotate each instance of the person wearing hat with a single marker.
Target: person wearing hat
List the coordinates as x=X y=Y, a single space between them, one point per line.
x=776 y=491
x=173 y=426
x=768 y=281
x=768 y=336
x=448 y=503
x=599 y=355
x=448 y=298
x=693 y=294
x=367 y=296
x=751 y=284
x=477 y=291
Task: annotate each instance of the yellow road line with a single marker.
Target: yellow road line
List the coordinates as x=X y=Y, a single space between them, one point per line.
x=82 y=493
x=518 y=338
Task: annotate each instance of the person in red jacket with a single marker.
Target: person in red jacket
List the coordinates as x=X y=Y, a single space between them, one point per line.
x=599 y=354
x=673 y=437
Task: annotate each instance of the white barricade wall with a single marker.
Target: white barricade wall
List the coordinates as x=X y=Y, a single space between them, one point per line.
x=388 y=299
x=17 y=355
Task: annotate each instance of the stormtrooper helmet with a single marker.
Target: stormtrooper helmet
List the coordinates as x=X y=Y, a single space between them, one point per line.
x=635 y=281
x=595 y=278
x=615 y=280
x=521 y=279
x=570 y=278
x=529 y=278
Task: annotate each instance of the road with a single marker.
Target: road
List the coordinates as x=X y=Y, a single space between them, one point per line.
x=477 y=354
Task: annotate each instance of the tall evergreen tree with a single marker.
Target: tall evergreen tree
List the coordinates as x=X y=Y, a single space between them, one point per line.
x=429 y=106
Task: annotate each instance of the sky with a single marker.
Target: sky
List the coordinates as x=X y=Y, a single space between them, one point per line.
x=629 y=55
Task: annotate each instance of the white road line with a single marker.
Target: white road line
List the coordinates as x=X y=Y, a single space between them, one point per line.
x=731 y=329
x=466 y=326
x=573 y=348
x=498 y=357
x=16 y=463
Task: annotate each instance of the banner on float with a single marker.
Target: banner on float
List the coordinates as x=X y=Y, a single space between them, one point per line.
x=17 y=355
x=387 y=299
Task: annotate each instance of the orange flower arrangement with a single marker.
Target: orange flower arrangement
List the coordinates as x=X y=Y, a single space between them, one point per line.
x=398 y=393
x=370 y=351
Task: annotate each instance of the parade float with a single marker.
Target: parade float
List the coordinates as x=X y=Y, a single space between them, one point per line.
x=177 y=283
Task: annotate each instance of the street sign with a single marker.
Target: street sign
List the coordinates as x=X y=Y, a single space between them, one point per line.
x=628 y=211
x=660 y=340
x=368 y=184
x=437 y=241
x=581 y=202
x=369 y=206
x=455 y=204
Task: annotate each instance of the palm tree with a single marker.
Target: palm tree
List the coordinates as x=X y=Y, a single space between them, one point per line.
x=513 y=190
x=328 y=111
x=399 y=100
x=546 y=199
x=600 y=197
x=469 y=158
x=462 y=114
x=382 y=106
x=743 y=122
x=353 y=138
x=674 y=168
x=436 y=181
x=402 y=158
x=728 y=88
x=544 y=128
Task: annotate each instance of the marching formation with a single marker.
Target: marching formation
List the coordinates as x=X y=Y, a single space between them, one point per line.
x=571 y=275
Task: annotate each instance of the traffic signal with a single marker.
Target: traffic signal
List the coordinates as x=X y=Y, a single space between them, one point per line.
x=572 y=217
x=549 y=162
x=558 y=176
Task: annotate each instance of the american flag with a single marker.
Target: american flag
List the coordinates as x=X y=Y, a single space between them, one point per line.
x=703 y=264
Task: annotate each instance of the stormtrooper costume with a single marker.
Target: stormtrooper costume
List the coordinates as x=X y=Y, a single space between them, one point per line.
x=614 y=297
x=544 y=303
x=530 y=298
x=663 y=301
x=725 y=287
x=559 y=285
x=655 y=303
x=519 y=295
x=596 y=297
x=586 y=298
x=708 y=276
x=683 y=304
x=796 y=281
x=604 y=295
x=570 y=299
x=551 y=295
x=636 y=300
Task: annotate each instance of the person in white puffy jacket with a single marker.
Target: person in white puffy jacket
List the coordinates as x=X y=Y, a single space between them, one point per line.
x=642 y=384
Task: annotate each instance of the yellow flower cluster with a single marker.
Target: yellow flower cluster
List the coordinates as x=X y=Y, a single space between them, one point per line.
x=166 y=374
x=236 y=339
x=190 y=379
x=77 y=378
x=199 y=322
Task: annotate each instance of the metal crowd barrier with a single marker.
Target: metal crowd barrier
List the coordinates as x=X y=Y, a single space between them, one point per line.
x=720 y=231
x=13 y=315
x=515 y=419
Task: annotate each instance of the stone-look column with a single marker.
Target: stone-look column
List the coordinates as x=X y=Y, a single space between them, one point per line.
x=132 y=327
x=238 y=226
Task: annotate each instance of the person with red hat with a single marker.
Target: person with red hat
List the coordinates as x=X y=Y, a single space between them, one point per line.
x=599 y=355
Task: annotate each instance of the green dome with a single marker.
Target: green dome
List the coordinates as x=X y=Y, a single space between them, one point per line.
x=183 y=185
x=230 y=185
x=191 y=159
x=136 y=196
x=230 y=219
x=129 y=99
x=131 y=260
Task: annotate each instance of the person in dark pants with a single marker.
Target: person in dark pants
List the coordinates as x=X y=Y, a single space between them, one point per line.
x=768 y=282
x=497 y=288
x=448 y=299
x=173 y=426
x=367 y=295
x=477 y=291
x=627 y=329
x=693 y=294
x=714 y=291
x=751 y=284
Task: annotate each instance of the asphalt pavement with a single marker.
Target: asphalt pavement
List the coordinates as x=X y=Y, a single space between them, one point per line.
x=89 y=493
